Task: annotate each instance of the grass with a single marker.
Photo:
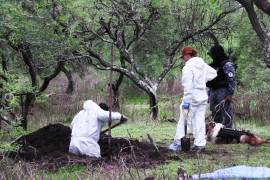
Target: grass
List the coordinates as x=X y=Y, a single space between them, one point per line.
x=68 y=172
x=215 y=157
x=162 y=131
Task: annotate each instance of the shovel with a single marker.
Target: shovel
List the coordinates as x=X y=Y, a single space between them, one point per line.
x=185 y=141
x=113 y=126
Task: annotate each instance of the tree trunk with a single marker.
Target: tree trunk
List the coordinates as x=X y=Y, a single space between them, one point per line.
x=70 y=87
x=115 y=88
x=25 y=105
x=267 y=50
x=4 y=63
x=153 y=105
x=262 y=33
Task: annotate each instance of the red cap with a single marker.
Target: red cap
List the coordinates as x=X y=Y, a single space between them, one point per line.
x=189 y=50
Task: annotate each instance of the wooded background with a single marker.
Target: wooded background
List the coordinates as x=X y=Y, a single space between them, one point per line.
x=41 y=40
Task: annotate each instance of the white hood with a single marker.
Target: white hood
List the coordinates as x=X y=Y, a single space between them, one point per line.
x=90 y=105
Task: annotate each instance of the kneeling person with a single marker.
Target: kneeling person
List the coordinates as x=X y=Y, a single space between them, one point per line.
x=86 y=128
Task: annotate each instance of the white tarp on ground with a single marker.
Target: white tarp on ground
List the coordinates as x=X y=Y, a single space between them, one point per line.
x=236 y=172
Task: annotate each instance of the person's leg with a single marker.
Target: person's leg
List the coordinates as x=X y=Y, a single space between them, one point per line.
x=227 y=114
x=90 y=148
x=216 y=105
x=84 y=146
x=179 y=134
x=213 y=103
x=73 y=147
x=198 y=119
x=180 y=129
x=225 y=109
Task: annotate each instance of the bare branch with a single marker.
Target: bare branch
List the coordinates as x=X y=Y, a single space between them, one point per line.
x=248 y=5
x=263 y=5
x=24 y=49
x=48 y=79
x=170 y=52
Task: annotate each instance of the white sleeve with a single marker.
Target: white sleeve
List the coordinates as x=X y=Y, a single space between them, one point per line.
x=187 y=83
x=211 y=73
x=75 y=119
x=104 y=115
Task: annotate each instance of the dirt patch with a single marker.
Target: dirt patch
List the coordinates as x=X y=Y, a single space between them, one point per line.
x=49 y=139
x=48 y=147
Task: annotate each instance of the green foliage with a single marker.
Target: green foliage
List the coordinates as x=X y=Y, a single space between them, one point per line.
x=16 y=83
x=7 y=147
x=256 y=78
x=16 y=130
x=164 y=115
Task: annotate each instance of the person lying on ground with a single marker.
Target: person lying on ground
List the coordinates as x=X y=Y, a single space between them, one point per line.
x=218 y=133
x=86 y=128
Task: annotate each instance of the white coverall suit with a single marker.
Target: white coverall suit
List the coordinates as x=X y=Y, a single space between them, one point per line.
x=86 y=127
x=195 y=74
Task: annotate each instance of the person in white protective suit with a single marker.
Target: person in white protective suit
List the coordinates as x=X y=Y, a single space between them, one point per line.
x=195 y=74
x=86 y=127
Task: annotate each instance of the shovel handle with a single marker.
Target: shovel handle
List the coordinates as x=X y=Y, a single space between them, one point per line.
x=185 y=127
x=113 y=126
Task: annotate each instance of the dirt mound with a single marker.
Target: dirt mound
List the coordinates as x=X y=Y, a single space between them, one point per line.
x=132 y=152
x=48 y=148
x=49 y=139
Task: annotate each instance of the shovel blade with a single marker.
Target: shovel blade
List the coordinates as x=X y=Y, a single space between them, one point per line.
x=185 y=144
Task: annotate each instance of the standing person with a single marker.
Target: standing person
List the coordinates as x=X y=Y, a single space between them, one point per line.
x=86 y=127
x=195 y=74
x=222 y=87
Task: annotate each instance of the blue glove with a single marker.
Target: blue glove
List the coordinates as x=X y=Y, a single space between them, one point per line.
x=185 y=105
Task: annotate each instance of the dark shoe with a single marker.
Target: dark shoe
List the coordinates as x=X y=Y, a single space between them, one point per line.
x=197 y=148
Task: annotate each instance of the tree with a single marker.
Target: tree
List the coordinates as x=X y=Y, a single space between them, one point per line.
x=40 y=49
x=125 y=25
x=257 y=23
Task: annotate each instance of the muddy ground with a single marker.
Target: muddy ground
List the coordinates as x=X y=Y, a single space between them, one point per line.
x=47 y=148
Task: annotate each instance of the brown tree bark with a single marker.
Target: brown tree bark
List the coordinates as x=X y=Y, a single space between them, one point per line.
x=116 y=93
x=262 y=33
x=70 y=87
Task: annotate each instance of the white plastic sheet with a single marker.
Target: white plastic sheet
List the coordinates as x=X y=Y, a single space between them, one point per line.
x=236 y=172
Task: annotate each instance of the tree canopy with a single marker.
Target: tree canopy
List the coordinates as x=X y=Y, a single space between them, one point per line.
x=40 y=39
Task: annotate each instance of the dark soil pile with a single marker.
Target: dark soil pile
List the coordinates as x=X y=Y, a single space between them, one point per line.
x=132 y=152
x=46 y=140
x=48 y=148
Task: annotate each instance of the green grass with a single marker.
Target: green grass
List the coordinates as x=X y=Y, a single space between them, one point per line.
x=68 y=172
x=160 y=131
x=215 y=157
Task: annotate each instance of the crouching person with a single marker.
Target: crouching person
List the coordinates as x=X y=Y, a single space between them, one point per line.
x=86 y=128
x=195 y=74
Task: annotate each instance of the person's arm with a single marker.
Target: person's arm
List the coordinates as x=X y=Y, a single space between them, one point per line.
x=104 y=115
x=187 y=83
x=211 y=73
x=229 y=71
